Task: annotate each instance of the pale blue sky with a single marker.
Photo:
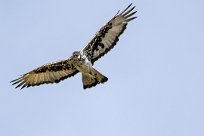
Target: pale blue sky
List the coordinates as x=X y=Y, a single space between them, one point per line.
x=156 y=71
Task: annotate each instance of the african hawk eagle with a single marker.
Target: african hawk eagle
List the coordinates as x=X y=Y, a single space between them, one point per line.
x=82 y=61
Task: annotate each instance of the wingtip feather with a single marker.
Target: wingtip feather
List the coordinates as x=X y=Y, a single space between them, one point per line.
x=130 y=19
x=126 y=9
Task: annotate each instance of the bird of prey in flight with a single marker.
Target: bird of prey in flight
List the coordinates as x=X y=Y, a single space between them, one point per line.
x=81 y=61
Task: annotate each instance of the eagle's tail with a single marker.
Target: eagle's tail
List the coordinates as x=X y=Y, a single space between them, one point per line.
x=92 y=79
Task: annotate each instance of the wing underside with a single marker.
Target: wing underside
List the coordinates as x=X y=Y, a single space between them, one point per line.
x=49 y=73
x=107 y=37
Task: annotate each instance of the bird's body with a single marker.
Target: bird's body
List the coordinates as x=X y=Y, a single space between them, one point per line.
x=81 y=61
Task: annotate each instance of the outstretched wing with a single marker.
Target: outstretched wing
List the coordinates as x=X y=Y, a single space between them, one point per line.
x=49 y=73
x=107 y=37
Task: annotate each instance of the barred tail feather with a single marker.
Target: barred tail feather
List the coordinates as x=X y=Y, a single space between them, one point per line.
x=92 y=79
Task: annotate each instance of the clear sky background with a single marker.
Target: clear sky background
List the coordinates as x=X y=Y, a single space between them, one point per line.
x=156 y=71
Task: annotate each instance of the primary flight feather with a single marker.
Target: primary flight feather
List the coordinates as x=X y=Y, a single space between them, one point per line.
x=81 y=61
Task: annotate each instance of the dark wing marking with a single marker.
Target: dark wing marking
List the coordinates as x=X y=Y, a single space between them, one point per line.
x=107 y=37
x=49 y=73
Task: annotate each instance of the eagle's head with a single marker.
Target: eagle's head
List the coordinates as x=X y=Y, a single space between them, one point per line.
x=76 y=55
